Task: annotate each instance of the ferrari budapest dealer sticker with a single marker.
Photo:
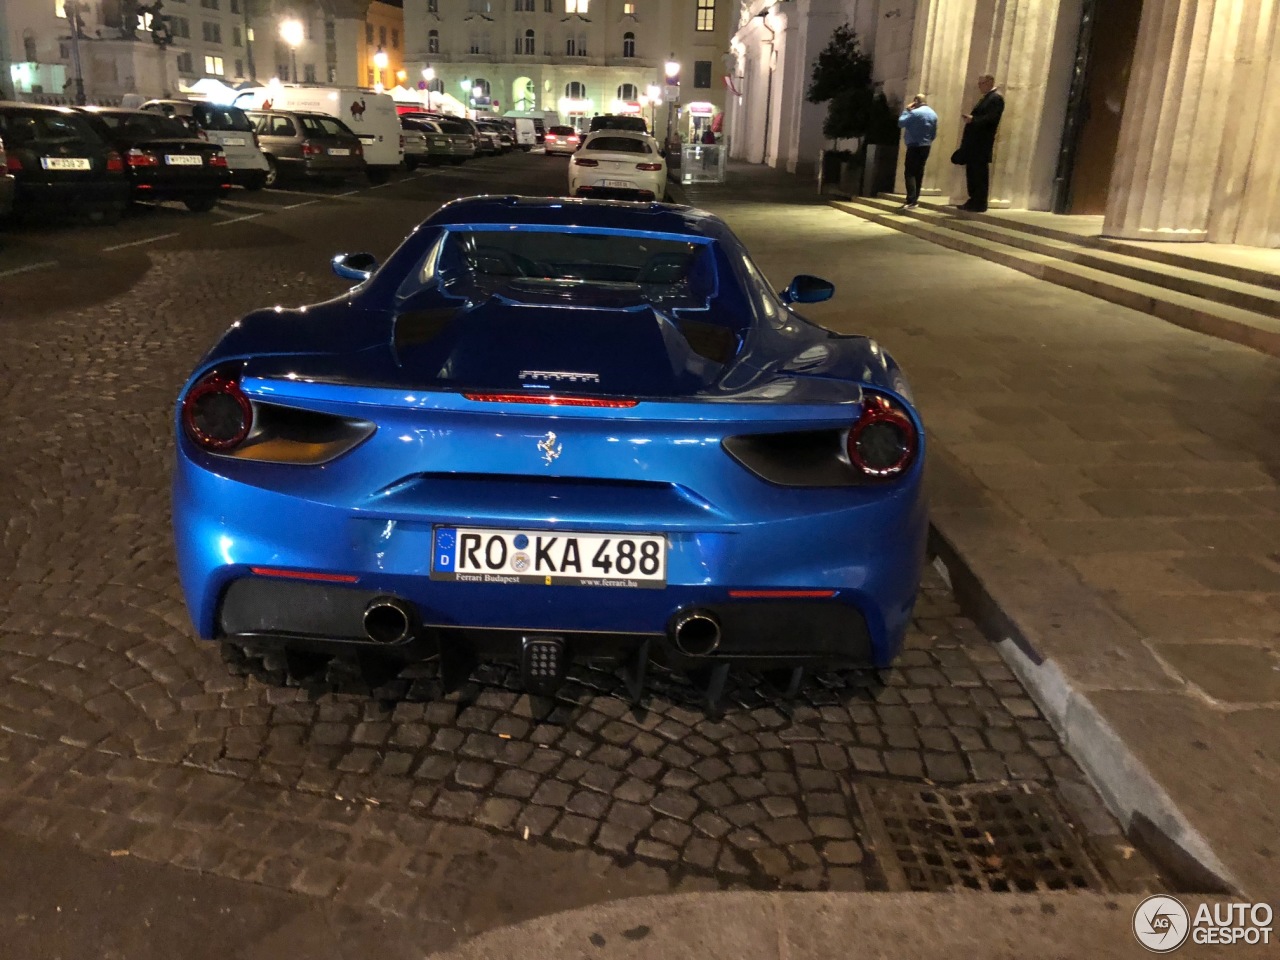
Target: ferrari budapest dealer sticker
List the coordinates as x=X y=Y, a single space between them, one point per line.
x=1162 y=923
x=478 y=555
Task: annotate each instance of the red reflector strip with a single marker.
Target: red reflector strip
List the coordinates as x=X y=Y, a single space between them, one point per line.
x=550 y=399
x=304 y=575
x=780 y=594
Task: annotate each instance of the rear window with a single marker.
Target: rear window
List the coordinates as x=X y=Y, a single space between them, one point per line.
x=453 y=126
x=562 y=131
x=541 y=265
x=213 y=117
x=141 y=125
x=614 y=122
x=317 y=126
x=22 y=127
x=618 y=145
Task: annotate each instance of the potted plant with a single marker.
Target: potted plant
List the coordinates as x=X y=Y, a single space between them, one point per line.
x=841 y=79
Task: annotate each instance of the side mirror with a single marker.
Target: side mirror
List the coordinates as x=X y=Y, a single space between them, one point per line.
x=807 y=289
x=354 y=266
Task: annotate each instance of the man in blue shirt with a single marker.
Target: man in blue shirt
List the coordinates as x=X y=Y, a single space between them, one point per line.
x=919 y=126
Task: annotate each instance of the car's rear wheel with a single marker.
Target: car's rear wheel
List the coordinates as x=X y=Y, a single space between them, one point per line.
x=200 y=204
x=273 y=173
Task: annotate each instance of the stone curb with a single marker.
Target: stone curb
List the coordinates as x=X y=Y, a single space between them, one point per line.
x=1132 y=793
x=1091 y=280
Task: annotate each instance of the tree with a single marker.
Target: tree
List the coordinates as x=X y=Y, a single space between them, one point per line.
x=841 y=79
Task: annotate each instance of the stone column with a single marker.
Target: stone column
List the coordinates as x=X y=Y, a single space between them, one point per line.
x=1014 y=41
x=1246 y=197
x=939 y=60
x=1175 y=115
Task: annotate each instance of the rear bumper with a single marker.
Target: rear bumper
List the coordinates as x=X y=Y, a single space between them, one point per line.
x=162 y=188
x=330 y=618
x=868 y=556
x=97 y=192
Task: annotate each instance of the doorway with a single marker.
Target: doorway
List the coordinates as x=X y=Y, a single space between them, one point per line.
x=1112 y=35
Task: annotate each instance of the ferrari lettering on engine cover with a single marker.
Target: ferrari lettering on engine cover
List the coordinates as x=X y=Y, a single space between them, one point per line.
x=560 y=376
x=552 y=559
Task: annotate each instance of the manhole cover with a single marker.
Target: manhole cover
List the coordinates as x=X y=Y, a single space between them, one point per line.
x=997 y=838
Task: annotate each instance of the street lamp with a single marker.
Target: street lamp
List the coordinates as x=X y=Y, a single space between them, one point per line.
x=380 y=60
x=293 y=33
x=672 y=70
x=654 y=93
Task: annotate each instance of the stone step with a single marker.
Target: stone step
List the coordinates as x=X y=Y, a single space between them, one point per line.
x=1184 y=277
x=1208 y=316
x=1169 y=253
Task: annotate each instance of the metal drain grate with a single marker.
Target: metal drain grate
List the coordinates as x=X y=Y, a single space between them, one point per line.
x=995 y=838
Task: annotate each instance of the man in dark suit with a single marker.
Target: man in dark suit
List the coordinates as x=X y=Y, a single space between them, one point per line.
x=977 y=141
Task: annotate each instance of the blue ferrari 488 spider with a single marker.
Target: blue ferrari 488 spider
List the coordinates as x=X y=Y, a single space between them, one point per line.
x=553 y=430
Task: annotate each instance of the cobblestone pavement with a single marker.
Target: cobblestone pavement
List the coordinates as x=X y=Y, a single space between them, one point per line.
x=120 y=732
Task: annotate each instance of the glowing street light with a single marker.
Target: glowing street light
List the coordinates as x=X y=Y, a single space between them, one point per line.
x=293 y=33
x=672 y=69
x=428 y=74
x=380 y=60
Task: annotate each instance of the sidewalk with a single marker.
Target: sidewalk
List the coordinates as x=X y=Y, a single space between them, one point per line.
x=1105 y=492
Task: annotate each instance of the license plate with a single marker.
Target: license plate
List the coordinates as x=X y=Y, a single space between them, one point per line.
x=184 y=159
x=65 y=163
x=233 y=141
x=472 y=555
x=625 y=184
x=339 y=152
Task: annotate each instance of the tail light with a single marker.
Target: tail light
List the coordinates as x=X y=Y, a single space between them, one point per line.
x=551 y=138
x=582 y=162
x=883 y=441
x=310 y=149
x=648 y=166
x=216 y=414
x=218 y=160
x=13 y=164
x=573 y=138
x=115 y=163
x=140 y=158
x=554 y=400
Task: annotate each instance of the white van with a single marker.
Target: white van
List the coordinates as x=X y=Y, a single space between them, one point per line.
x=371 y=116
x=531 y=128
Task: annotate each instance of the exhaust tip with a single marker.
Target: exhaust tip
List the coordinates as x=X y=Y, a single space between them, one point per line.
x=697 y=634
x=388 y=620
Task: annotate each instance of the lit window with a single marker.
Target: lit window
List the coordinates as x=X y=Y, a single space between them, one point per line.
x=213 y=66
x=706 y=15
x=575 y=6
x=60 y=8
x=628 y=9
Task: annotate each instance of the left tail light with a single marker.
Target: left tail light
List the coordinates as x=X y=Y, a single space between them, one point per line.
x=584 y=162
x=216 y=414
x=13 y=163
x=140 y=158
x=219 y=159
x=648 y=166
x=882 y=442
x=115 y=163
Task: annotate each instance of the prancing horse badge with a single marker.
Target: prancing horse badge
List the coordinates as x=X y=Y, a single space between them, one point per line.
x=550 y=449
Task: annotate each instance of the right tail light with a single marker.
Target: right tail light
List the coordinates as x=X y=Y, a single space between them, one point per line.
x=883 y=441
x=584 y=162
x=141 y=158
x=216 y=414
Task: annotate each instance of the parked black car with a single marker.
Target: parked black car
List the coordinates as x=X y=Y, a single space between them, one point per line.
x=60 y=164
x=162 y=159
x=6 y=184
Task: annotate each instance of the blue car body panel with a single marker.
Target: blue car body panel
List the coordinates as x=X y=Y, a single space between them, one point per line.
x=434 y=458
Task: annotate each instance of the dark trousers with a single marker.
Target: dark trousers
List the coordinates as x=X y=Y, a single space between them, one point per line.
x=913 y=171
x=978 y=178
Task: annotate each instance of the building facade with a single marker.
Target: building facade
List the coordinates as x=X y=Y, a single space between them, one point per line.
x=575 y=58
x=233 y=41
x=1157 y=114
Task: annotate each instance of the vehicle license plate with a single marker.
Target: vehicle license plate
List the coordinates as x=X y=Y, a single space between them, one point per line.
x=477 y=555
x=233 y=141
x=339 y=152
x=618 y=183
x=65 y=163
x=184 y=159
